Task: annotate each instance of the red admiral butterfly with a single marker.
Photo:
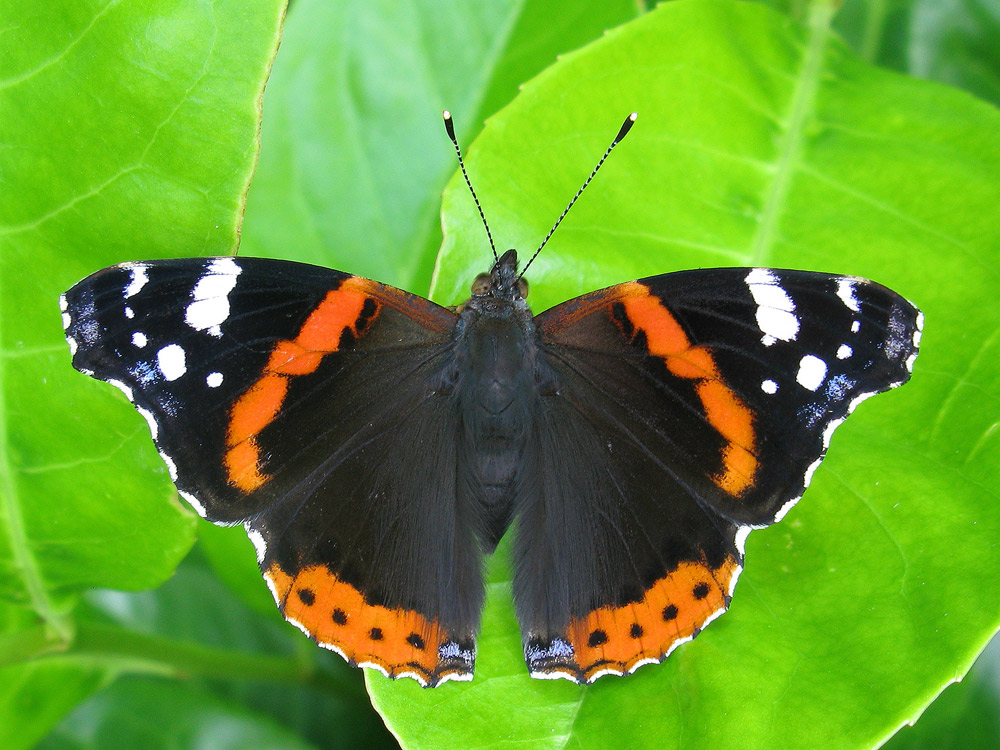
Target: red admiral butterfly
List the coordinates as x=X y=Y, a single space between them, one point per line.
x=376 y=446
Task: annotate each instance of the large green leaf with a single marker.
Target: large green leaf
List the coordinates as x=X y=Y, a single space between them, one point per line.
x=762 y=142
x=964 y=717
x=128 y=130
x=354 y=154
x=194 y=628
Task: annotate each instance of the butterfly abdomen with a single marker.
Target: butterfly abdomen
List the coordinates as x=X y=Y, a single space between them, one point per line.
x=496 y=351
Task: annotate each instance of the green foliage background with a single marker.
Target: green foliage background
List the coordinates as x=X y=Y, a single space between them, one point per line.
x=861 y=140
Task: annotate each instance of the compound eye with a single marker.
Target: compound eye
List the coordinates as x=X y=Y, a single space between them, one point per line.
x=522 y=288
x=481 y=285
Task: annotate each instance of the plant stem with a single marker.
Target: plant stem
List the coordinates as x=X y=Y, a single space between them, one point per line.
x=138 y=652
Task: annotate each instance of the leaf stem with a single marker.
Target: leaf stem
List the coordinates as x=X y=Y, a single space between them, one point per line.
x=133 y=651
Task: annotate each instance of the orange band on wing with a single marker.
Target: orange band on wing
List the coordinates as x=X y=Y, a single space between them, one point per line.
x=675 y=608
x=341 y=309
x=398 y=642
x=724 y=410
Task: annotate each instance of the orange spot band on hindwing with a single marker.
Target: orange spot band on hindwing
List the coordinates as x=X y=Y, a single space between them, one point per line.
x=398 y=642
x=676 y=607
x=724 y=410
x=319 y=335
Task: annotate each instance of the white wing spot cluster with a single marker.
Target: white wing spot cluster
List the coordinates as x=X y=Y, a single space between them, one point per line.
x=812 y=372
x=775 y=310
x=139 y=279
x=845 y=290
x=209 y=307
x=171 y=361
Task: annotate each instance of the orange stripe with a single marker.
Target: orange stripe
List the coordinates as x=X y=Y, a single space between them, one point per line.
x=337 y=614
x=670 y=610
x=260 y=404
x=724 y=410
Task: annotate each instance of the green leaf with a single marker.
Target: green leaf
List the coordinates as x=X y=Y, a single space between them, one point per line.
x=763 y=142
x=953 y=41
x=964 y=717
x=157 y=714
x=129 y=131
x=193 y=628
x=35 y=695
x=354 y=154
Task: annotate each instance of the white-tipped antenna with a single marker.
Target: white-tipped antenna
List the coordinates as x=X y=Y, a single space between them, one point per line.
x=450 y=127
x=626 y=126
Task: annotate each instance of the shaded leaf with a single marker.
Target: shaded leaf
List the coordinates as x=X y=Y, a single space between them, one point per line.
x=354 y=155
x=952 y=41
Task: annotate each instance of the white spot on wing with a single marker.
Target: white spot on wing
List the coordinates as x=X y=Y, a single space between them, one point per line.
x=209 y=308
x=171 y=466
x=170 y=360
x=812 y=372
x=828 y=431
x=72 y=345
x=845 y=290
x=194 y=503
x=373 y=665
x=775 y=309
x=741 y=538
x=257 y=539
x=844 y=351
x=139 y=339
x=150 y=420
x=733 y=579
x=129 y=312
x=557 y=675
x=122 y=387
x=457 y=676
x=783 y=510
x=769 y=387
x=855 y=326
x=139 y=280
x=642 y=663
x=857 y=401
x=213 y=379
x=67 y=321
x=603 y=673
x=63 y=303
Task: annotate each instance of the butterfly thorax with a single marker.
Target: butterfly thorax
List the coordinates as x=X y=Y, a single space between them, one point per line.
x=496 y=353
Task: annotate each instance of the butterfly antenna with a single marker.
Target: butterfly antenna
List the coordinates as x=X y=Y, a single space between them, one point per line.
x=626 y=126
x=450 y=127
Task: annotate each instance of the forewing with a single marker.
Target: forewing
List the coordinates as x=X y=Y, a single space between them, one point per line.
x=312 y=406
x=682 y=411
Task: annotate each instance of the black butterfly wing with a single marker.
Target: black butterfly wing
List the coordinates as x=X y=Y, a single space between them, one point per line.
x=313 y=407
x=683 y=410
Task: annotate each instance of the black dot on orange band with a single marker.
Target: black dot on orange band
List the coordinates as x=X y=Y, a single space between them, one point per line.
x=415 y=640
x=700 y=591
x=375 y=634
x=669 y=612
x=597 y=638
x=340 y=617
x=636 y=630
x=306 y=596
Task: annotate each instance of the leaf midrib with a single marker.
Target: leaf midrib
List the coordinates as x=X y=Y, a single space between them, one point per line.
x=790 y=145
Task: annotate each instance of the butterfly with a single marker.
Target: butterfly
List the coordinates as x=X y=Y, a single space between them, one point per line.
x=377 y=446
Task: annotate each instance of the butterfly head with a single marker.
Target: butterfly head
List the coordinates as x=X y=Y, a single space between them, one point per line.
x=502 y=282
